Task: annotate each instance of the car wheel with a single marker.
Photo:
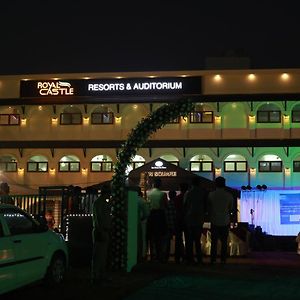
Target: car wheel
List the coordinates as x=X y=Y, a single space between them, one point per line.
x=56 y=271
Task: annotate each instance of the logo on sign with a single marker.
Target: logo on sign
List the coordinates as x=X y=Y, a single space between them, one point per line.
x=55 y=88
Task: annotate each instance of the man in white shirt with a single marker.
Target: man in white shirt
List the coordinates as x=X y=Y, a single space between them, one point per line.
x=220 y=205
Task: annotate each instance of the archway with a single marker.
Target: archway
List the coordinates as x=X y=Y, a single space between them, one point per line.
x=136 y=139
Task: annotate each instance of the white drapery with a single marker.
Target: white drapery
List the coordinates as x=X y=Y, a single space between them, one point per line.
x=266 y=211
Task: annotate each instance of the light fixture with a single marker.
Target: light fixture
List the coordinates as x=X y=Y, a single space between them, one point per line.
x=218 y=119
x=23 y=121
x=285 y=76
x=217 y=78
x=252 y=171
x=118 y=117
x=218 y=171
x=251 y=77
x=86 y=120
x=251 y=118
x=54 y=120
x=52 y=171
x=287 y=171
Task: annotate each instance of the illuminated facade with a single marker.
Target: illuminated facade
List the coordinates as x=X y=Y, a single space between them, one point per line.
x=66 y=129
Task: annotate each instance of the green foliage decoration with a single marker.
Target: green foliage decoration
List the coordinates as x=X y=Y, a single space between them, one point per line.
x=136 y=139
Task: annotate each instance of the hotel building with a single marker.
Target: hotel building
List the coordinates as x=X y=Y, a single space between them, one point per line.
x=66 y=129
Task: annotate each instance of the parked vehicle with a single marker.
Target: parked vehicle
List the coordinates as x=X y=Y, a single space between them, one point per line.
x=29 y=251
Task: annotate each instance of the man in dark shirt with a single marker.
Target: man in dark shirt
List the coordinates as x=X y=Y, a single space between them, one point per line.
x=102 y=224
x=194 y=207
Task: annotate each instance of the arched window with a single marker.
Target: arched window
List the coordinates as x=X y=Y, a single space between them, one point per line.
x=136 y=162
x=296 y=114
x=270 y=163
x=171 y=159
x=37 y=163
x=235 y=163
x=102 y=115
x=71 y=116
x=69 y=163
x=202 y=114
x=10 y=117
x=201 y=163
x=268 y=113
x=8 y=163
x=101 y=163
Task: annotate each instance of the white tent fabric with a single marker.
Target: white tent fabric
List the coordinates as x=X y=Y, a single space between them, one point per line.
x=277 y=212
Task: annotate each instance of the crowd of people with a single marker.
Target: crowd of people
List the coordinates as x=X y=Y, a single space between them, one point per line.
x=166 y=216
x=181 y=217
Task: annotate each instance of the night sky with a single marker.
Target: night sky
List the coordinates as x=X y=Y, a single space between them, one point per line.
x=106 y=36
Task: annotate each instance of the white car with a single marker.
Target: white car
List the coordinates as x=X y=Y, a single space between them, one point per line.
x=29 y=251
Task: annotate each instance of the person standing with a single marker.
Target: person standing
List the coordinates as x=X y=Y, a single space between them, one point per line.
x=4 y=194
x=143 y=214
x=195 y=209
x=171 y=222
x=220 y=205
x=157 y=227
x=180 y=228
x=102 y=225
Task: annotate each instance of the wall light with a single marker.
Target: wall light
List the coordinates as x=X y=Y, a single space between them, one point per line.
x=86 y=120
x=23 y=121
x=184 y=119
x=252 y=118
x=285 y=76
x=251 y=77
x=286 y=118
x=218 y=119
x=218 y=171
x=84 y=171
x=54 y=120
x=20 y=171
x=252 y=171
x=118 y=118
x=52 y=171
x=217 y=78
x=287 y=171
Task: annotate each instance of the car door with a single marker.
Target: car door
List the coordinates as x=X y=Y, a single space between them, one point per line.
x=7 y=258
x=30 y=246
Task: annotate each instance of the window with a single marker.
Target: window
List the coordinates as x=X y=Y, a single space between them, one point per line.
x=10 y=119
x=296 y=166
x=19 y=223
x=235 y=163
x=268 y=113
x=174 y=121
x=37 y=166
x=102 y=118
x=70 y=119
x=69 y=163
x=101 y=166
x=101 y=163
x=270 y=166
x=37 y=163
x=296 y=116
x=8 y=164
x=201 y=117
x=235 y=166
x=68 y=166
x=201 y=166
x=269 y=117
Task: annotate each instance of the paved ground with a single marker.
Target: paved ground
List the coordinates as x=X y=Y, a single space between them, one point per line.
x=257 y=267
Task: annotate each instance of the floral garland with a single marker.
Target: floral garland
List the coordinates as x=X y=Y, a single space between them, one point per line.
x=136 y=139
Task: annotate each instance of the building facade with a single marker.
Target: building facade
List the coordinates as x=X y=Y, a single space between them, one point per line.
x=66 y=129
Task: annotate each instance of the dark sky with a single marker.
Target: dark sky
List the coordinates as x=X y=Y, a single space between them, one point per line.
x=102 y=36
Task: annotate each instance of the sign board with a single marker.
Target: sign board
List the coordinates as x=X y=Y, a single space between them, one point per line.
x=133 y=87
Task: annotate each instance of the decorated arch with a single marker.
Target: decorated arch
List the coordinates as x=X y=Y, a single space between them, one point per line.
x=136 y=139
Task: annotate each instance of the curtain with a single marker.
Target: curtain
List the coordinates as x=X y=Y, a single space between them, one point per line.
x=277 y=212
